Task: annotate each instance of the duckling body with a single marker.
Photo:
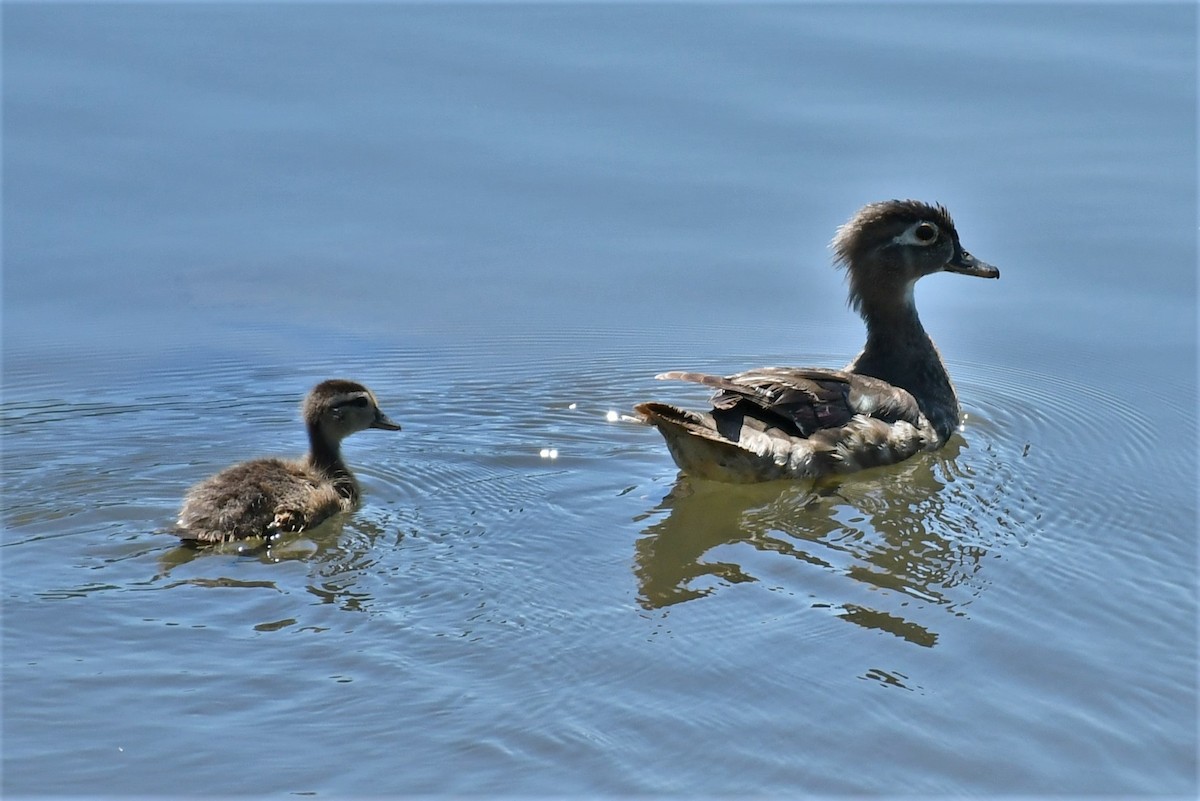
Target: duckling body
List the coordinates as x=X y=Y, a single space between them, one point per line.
x=892 y=401
x=263 y=497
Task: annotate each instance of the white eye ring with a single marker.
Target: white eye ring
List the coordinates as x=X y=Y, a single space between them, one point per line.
x=922 y=234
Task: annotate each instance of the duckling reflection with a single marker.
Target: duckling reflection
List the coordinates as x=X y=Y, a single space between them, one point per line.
x=340 y=559
x=900 y=533
x=314 y=546
x=264 y=497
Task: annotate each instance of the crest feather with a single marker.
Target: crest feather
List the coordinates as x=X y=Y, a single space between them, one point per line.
x=873 y=224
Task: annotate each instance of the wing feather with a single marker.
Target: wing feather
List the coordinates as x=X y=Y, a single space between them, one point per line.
x=804 y=401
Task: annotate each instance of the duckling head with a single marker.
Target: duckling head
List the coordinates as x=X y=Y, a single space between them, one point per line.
x=887 y=246
x=338 y=408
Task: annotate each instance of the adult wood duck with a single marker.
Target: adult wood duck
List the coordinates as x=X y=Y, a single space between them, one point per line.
x=891 y=402
x=263 y=497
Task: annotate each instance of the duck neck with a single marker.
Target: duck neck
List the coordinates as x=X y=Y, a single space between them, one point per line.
x=325 y=456
x=899 y=351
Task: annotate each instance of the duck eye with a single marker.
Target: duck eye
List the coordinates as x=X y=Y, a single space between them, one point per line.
x=360 y=402
x=925 y=232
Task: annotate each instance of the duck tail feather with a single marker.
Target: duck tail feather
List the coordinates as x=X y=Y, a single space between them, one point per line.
x=718 y=381
x=701 y=450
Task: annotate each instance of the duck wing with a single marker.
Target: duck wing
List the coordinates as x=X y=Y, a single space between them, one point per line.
x=805 y=400
x=786 y=422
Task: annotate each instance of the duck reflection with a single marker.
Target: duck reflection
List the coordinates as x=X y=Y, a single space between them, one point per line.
x=337 y=555
x=908 y=530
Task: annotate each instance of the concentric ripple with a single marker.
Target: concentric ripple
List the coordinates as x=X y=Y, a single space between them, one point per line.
x=914 y=540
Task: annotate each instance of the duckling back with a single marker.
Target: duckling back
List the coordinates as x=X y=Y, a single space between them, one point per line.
x=261 y=498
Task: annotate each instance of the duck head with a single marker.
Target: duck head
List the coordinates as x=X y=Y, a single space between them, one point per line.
x=338 y=408
x=887 y=246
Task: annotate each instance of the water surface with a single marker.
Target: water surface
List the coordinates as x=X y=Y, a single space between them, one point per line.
x=505 y=220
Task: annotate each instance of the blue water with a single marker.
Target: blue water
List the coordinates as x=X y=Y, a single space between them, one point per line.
x=506 y=219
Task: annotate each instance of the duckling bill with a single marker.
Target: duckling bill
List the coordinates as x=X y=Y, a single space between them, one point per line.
x=890 y=402
x=263 y=497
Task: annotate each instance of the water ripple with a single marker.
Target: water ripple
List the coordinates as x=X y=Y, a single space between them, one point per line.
x=895 y=549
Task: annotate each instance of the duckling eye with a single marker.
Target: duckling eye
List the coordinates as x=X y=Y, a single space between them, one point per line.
x=926 y=232
x=360 y=402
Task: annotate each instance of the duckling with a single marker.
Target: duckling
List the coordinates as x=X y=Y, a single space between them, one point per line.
x=892 y=401
x=263 y=497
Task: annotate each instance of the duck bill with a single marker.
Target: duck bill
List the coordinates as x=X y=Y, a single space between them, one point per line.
x=966 y=264
x=385 y=422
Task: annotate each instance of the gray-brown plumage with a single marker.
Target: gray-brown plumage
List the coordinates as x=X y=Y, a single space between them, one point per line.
x=892 y=401
x=266 y=496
